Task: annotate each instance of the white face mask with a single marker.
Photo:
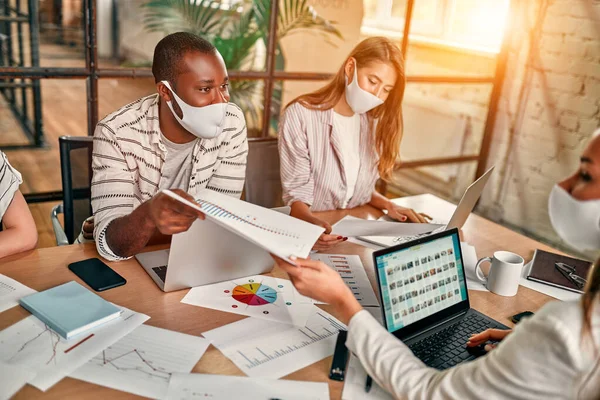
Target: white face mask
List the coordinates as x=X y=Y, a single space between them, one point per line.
x=359 y=99
x=576 y=222
x=203 y=122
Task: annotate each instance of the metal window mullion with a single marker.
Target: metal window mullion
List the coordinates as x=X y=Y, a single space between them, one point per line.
x=270 y=79
x=24 y=110
x=91 y=63
x=33 y=13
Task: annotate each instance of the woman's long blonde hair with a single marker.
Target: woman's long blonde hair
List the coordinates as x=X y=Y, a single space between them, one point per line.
x=388 y=115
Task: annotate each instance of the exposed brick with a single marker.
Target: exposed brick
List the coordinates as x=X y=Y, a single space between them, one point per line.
x=576 y=8
x=586 y=68
x=560 y=24
x=551 y=62
x=588 y=29
x=581 y=105
x=588 y=125
x=569 y=122
x=562 y=82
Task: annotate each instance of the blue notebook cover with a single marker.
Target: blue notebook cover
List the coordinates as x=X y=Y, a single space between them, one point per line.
x=70 y=309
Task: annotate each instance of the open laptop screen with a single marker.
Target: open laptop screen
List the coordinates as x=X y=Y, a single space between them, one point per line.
x=420 y=279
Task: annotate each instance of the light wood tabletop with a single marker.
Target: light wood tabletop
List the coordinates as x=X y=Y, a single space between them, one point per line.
x=45 y=268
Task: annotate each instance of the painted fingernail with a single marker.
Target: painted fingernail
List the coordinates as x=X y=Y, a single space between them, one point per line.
x=340 y=237
x=403 y=218
x=345 y=239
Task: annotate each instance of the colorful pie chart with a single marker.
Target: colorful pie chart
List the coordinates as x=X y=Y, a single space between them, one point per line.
x=254 y=294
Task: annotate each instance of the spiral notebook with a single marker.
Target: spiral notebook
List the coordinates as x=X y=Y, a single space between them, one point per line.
x=544 y=271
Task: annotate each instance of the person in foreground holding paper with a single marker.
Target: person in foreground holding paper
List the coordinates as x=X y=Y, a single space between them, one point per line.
x=554 y=354
x=335 y=143
x=186 y=138
x=19 y=233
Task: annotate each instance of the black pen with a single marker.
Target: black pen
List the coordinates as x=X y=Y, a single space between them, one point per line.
x=368 y=383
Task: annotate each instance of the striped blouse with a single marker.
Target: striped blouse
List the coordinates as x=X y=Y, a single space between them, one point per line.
x=10 y=179
x=312 y=162
x=129 y=156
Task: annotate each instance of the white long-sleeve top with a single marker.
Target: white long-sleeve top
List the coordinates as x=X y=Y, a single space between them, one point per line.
x=544 y=358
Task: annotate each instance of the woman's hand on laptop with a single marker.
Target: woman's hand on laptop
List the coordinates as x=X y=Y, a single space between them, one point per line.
x=317 y=281
x=171 y=216
x=404 y=214
x=497 y=335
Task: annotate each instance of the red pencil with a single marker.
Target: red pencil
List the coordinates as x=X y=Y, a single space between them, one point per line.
x=77 y=344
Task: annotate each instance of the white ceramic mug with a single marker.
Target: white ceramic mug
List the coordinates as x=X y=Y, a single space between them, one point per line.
x=505 y=273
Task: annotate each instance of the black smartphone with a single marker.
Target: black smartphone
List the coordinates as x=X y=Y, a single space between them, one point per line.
x=96 y=274
x=518 y=317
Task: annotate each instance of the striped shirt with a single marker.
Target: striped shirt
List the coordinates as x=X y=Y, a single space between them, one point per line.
x=129 y=156
x=10 y=179
x=312 y=160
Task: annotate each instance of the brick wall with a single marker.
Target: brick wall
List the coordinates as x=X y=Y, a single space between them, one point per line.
x=550 y=106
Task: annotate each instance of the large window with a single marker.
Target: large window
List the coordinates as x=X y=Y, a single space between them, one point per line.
x=471 y=24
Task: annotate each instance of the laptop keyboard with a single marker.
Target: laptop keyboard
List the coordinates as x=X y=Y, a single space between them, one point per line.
x=161 y=272
x=447 y=347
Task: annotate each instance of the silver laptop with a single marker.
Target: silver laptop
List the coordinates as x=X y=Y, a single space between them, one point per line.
x=205 y=254
x=458 y=219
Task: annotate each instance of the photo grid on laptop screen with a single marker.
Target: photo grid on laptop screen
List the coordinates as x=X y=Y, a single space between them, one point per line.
x=421 y=280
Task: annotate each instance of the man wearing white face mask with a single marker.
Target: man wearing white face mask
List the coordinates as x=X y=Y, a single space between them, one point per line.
x=187 y=137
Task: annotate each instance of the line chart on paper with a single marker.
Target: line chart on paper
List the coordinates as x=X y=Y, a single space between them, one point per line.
x=143 y=361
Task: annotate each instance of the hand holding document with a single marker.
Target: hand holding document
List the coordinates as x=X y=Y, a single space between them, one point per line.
x=351 y=226
x=279 y=234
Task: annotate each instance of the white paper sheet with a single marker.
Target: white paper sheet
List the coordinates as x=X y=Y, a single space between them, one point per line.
x=31 y=344
x=271 y=350
x=143 y=361
x=353 y=273
x=557 y=293
x=257 y=296
x=273 y=231
x=11 y=291
x=351 y=226
x=470 y=261
x=354 y=385
x=12 y=379
x=223 y=387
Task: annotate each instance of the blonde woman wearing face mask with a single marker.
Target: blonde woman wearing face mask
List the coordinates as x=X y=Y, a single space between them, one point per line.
x=336 y=142
x=553 y=355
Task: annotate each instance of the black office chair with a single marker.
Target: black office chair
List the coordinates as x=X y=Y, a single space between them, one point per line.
x=76 y=173
x=263 y=182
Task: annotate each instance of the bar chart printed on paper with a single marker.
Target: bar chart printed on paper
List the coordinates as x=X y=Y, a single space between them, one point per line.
x=269 y=349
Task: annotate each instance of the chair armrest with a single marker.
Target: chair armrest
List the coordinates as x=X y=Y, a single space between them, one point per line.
x=59 y=233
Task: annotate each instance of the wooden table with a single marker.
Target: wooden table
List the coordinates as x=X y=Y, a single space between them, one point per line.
x=45 y=268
